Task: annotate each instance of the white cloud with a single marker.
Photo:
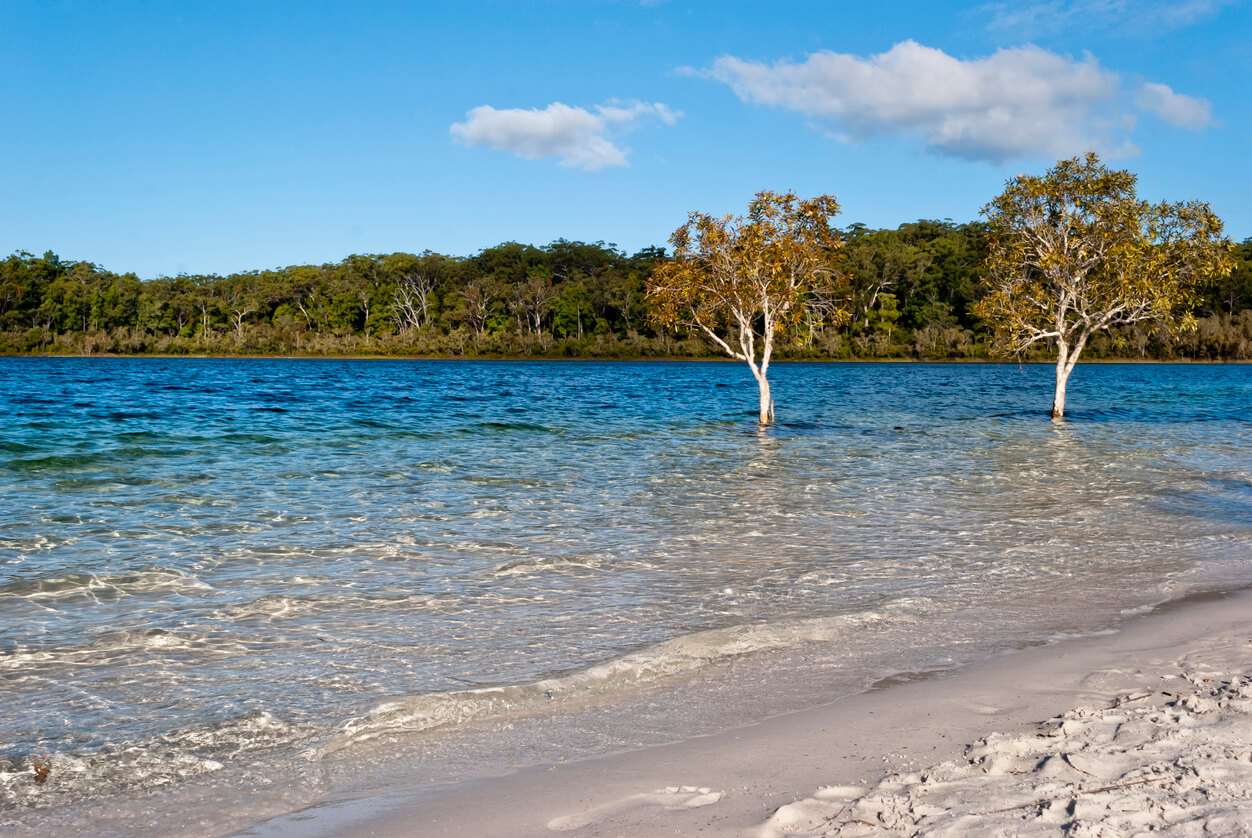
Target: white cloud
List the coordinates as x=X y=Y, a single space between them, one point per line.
x=576 y=136
x=615 y=111
x=1015 y=103
x=1174 y=108
x=1136 y=16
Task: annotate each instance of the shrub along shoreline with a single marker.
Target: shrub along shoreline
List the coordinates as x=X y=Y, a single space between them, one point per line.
x=910 y=292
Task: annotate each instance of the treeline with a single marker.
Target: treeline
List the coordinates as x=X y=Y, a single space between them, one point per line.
x=910 y=292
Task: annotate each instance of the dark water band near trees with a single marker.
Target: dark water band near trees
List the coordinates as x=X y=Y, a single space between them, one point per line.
x=911 y=292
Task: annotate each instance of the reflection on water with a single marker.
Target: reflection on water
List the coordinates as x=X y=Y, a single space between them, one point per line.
x=209 y=566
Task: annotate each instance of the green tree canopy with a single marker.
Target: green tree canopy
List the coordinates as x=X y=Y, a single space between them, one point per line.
x=743 y=282
x=1074 y=252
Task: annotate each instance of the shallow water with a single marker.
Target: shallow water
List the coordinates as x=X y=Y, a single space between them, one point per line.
x=304 y=576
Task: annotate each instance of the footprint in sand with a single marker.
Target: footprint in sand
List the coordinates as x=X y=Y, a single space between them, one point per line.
x=673 y=798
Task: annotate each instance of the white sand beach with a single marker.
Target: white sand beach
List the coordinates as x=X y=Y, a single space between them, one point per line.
x=1146 y=729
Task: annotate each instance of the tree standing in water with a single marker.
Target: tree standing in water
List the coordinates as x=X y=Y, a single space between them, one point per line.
x=743 y=282
x=1075 y=251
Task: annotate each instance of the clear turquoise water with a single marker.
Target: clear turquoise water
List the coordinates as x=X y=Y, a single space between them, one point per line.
x=218 y=570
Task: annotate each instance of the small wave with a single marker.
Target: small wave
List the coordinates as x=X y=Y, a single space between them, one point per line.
x=125 y=456
x=136 y=452
x=545 y=564
x=254 y=731
x=282 y=606
x=55 y=463
x=288 y=606
x=1149 y=415
x=509 y=427
x=124 y=415
x=370 y=422
x=491 y=480
x=109 y=648
x=820 y=427
x=101 y=587
x=104 y=483
x=141 y=436
x=1024 y=413
x=679 y=657
x=395 y=433
x=147 y=764
x=261 y=439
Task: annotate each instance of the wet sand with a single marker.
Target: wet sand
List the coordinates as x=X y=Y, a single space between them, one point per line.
x=1148 y=727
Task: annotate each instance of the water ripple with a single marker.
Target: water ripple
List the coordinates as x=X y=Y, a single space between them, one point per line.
x=210 y=567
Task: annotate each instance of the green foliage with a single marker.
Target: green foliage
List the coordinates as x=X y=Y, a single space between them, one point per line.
x=1074 y=252
x=597 y=308
x=932 y=268
x=741 y=281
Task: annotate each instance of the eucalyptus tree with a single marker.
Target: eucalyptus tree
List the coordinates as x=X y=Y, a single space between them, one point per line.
x=572 y=309
x=881 y=262
x=1074 y=252
x=477 y=298
x=71 y=300
x=173 y=303
x=240 y=295
x=744 y=282
x=206 y=301
x=118 y=301
x=532 y=300
x=1234 y=292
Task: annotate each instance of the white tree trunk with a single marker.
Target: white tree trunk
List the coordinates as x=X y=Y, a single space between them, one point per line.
x=767 y=404
x=1066 y=358
x=1062 y=377
x=762 y=376
x=747 y=353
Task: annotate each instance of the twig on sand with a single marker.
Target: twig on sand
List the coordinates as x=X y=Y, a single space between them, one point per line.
x=1123 y=700
x=1070 y=763
x=836 y=815
x=1048 y=800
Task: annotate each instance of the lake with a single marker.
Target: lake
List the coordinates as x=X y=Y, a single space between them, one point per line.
x=231 y=587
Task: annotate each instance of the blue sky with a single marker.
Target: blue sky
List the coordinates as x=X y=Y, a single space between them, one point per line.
x=165 y=137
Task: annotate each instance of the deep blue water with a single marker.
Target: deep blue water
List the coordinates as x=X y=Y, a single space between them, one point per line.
x=208 y=566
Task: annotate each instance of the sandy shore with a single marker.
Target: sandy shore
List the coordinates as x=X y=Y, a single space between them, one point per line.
x=1145 y=729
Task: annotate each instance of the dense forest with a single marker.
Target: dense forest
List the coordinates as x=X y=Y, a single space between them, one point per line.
x=909 y=289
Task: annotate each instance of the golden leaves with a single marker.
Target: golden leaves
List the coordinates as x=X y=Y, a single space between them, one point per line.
x=770 y=263
x=1075 y=250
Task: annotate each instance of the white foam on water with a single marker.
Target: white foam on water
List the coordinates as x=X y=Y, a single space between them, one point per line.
x=545 y=564
x=682 y=656
x=103 y=586
x=115 y=646
x=362 y=573
x=141 y=766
